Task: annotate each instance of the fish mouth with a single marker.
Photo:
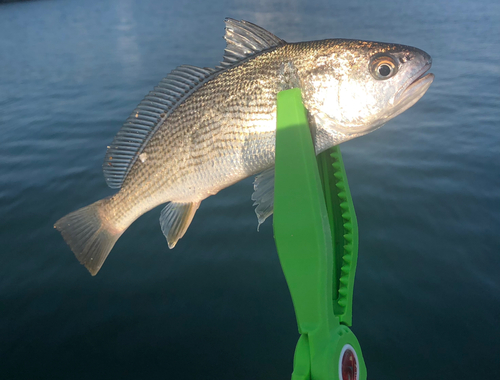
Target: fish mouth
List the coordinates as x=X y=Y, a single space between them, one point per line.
x=413 y=90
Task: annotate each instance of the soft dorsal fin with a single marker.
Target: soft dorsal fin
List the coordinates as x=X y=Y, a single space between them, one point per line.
x=147 y=118
x=245 y=39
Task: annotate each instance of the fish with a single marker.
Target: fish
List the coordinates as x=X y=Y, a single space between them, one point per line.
x=204 y=129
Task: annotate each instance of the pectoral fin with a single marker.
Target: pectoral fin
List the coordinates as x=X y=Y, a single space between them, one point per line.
x=263 y=195
x=175 y=219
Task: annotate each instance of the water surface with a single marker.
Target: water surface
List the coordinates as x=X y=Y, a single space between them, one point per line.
x=426 y=188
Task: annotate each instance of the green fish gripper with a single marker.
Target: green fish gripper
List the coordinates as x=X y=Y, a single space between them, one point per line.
x=316 y=236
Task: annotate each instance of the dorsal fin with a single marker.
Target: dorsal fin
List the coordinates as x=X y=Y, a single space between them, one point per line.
x=147 y=117
x=244 y=40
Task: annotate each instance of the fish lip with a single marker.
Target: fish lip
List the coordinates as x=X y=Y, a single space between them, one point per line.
x=414 y=81
x=408 y=95
x=412 y=91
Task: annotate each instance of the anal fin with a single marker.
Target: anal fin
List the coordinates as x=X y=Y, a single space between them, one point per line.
x=175 y=219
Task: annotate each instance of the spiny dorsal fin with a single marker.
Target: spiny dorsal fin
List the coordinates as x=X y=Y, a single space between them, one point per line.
x=245 y=39
x=147 y=117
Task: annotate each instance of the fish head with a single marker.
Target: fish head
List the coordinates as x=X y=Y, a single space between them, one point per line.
x=359 y=86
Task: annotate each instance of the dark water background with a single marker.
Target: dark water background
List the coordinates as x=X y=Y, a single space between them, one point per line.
x=426 y=188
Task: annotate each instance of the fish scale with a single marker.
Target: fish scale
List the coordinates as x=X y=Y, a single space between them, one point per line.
x=201 y=130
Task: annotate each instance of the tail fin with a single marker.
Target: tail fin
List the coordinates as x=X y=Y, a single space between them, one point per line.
x=88 y=235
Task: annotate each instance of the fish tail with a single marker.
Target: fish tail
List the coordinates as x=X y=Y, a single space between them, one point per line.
x=90 y=235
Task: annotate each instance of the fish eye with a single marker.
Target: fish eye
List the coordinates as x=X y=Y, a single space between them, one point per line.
x=383 y=66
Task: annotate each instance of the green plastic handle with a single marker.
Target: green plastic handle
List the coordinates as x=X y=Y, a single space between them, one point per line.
x=315 y=231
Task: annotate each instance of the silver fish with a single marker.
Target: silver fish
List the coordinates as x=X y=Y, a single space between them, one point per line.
x=202 y=129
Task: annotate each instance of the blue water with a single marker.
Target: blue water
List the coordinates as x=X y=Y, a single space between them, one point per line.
x=426 y=188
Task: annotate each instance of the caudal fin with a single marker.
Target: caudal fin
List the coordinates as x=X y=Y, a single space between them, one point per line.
x=88 y=237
